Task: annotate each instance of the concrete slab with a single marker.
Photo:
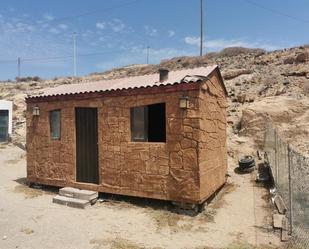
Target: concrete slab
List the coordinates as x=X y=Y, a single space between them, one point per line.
x=277 y=220
x=71 y=202
x=78 y=193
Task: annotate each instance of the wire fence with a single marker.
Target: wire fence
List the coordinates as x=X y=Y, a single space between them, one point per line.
x=290 y=172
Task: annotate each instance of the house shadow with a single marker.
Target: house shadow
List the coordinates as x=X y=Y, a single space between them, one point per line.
x=121 y=201
x=22 y=181
x=153 y=204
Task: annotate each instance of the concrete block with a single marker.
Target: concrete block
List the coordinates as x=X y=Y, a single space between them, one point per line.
x=78 y=193
x=71 y=202
x=277 y=220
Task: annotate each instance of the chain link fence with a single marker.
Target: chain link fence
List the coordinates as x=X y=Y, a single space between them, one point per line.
x=290 y=172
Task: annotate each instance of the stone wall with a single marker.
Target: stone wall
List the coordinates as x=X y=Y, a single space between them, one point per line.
x=212 y=143
x=167 y=171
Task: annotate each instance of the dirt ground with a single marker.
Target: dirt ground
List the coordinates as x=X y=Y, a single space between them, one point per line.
x=239 y=217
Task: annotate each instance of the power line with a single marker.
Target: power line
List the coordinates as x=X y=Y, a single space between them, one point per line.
x=66 y=57
x=48 y=58
x=7 y=61
x=276 y=11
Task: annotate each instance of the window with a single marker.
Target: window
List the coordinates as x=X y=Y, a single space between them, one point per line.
x=148 y=123
x=55 y=124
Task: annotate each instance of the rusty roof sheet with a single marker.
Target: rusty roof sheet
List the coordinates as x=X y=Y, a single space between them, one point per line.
x=150 y=80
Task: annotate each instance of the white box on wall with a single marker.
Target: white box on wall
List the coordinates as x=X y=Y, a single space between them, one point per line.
x=8 y=105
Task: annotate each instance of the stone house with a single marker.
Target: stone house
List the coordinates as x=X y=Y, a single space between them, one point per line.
x=160 y=136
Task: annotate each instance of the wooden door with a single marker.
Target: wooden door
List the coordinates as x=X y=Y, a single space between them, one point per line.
x=87 y=168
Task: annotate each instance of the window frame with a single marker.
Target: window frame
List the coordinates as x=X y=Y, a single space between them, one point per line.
x=51 y=125
x=146 y=125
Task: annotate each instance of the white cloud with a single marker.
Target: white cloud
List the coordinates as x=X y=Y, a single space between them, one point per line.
x=171 y=33
x=100 y=25
x=218 y=44
x=150 y=31
x=23 y=27
x=63 y=26
x=48 y=17
x=54 y=31
x=137 y=55
x=117 y=25
x=192 y=40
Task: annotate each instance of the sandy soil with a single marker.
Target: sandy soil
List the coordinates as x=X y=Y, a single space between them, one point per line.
x=239 y=217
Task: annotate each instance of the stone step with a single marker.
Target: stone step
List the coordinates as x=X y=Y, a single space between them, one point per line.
x=71 y=202
x=78 y=193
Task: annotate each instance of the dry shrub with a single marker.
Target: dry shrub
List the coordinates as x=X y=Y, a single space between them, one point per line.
x=117 y=243
x=234 y=51
x=26 y=230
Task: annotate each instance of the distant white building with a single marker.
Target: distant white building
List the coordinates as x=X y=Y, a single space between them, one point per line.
x=6 y=117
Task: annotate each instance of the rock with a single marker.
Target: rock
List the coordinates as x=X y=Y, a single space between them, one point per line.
x=282 y=90
x=301 y=58
x=295 y=73
x=241 y=98
x=230 y=122
x=228 y=75
x=289 y=60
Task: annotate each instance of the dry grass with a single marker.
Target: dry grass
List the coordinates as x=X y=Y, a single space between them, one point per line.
x=165 y=218
x=208 y=215
x=117 y=243
x=26 y=230
x=12 y=161
x=27 y=191
x=241 y=245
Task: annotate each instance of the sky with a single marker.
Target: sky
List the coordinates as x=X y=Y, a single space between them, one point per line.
x=115 y=33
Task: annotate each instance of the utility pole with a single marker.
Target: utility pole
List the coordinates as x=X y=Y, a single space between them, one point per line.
x=74 y=55
x=147 y=55
x=202 y=24
x=18 y=67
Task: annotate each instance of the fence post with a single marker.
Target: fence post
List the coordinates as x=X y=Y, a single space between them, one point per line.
x=276 y=157
x=290 y=191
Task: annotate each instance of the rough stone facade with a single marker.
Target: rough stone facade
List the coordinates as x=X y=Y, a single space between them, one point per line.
x=189 y=167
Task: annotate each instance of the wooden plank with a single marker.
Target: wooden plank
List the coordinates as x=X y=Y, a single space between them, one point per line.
x=280 y=204
x=284 y=230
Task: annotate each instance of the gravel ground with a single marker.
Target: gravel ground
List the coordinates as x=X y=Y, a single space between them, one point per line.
x=239 y=217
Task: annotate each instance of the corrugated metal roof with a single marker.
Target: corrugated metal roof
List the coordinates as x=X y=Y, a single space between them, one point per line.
x=150 y=80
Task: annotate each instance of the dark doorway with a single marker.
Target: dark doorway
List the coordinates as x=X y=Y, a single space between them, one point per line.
x=156 y=123
x=4 y=125
x=87 y=166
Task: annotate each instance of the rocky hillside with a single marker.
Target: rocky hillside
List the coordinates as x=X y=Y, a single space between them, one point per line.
x=262 y=86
